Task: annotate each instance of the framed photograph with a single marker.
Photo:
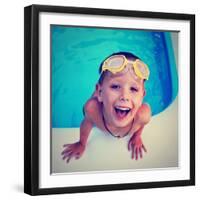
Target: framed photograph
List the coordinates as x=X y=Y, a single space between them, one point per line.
x=109 y=99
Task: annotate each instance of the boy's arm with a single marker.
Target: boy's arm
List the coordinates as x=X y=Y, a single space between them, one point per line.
x=135 y=143
x=90 y=109
x=85 y=129
x=77 y=149
x=142 y=118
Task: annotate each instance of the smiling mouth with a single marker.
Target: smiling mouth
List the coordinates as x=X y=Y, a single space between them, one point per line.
x=121 y=112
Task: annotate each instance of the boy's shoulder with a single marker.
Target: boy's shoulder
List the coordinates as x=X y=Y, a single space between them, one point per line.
x=144 y=113
x=92 y=107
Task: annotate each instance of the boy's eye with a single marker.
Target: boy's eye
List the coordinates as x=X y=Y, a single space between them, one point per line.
x=134 y=89
x=115 y=86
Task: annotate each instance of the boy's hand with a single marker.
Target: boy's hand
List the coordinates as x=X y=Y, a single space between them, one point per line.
x=135 y=145
x=73 y=150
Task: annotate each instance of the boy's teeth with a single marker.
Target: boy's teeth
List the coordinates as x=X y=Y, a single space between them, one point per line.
x=121 y=108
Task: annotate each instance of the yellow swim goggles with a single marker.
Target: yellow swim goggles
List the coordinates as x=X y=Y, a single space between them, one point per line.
x=117 y=63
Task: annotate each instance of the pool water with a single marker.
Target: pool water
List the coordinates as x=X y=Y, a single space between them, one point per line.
x=76 y=53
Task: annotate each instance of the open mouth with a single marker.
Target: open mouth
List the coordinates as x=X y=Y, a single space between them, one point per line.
x=122 y=112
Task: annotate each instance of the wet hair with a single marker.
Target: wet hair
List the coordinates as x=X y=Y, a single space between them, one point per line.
x=128 y=55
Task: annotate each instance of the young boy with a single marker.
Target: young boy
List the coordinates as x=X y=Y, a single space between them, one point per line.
x=116 y=106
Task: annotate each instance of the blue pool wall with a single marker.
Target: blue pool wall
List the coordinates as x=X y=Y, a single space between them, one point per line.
x=76 y=53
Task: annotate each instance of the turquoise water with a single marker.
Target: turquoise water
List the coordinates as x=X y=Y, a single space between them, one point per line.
x=77 y=53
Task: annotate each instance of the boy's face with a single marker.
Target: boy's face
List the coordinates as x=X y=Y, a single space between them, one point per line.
x=121 y=95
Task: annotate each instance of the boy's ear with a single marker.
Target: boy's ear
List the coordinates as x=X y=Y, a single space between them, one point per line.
x=99 y=92
x=144 y=93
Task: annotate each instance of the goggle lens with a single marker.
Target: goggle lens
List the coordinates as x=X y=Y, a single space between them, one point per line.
x=142 y=68
x=115 y=62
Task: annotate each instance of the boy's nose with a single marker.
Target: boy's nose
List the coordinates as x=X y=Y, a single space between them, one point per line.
x=124 y=99
x=124 y=96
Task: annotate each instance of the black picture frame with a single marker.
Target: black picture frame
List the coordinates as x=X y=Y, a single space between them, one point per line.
x=32 y=106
